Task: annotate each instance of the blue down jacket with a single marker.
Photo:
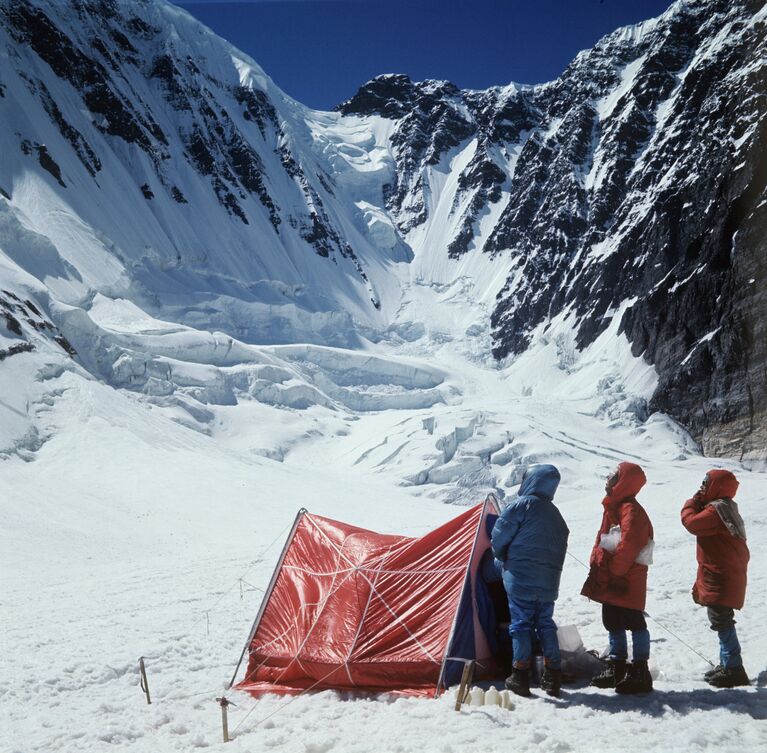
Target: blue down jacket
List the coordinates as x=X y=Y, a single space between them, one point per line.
x=530 y=538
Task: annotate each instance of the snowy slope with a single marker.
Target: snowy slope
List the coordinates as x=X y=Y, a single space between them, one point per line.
x=202 y=195
x=144 y=528
x=130 y=533
x=217 y=306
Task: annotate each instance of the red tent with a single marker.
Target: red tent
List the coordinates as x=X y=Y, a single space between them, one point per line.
x=349 y=608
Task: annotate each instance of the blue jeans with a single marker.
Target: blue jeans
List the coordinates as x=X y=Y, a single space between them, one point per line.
x=640 y=644
x=729 y=649
x=528 y=616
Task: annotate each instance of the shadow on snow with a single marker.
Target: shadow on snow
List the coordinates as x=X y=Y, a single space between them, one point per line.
x=661 y=702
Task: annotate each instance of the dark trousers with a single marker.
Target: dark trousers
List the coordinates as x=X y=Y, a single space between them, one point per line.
x=622 y=618
x=721 y=618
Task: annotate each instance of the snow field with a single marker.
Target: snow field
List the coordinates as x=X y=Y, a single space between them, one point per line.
x=129 y=527
x=152 y=491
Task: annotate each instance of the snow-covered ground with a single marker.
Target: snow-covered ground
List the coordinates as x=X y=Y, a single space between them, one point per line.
x=145 y=523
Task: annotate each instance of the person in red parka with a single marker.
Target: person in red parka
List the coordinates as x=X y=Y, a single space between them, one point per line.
x=618 y=579
x=712 y=515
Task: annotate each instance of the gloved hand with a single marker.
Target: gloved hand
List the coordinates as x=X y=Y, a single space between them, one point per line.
x=597 y=580
x=699 y=496
x=697 y=500
x=600 y=558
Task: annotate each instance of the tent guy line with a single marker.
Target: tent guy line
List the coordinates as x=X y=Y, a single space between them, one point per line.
x=364 y=614
x=360 y=568
x=659 y=624
x=279 y=708
x=267 y=594
x=373 y=590
x=204 y=614
x=321 y=606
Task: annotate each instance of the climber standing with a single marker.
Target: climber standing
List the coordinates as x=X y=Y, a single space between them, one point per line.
x=712 y=516
x=530 y=541
x=618 y=579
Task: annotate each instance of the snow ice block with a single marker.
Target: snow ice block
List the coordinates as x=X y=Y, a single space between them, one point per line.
x=569 y=639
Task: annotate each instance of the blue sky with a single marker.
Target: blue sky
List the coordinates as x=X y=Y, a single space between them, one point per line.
x=321 y=51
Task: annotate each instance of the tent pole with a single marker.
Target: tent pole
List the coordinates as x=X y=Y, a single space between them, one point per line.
x=493 y=500
x=460 y=598
x=268 y=592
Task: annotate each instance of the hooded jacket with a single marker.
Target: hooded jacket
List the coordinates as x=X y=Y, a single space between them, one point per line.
x=530 y=539
x=615 y=577
x=722 y=552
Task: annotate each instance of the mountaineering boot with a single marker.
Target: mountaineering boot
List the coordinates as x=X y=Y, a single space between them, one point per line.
x=551 y=681
x=518 y=682
x=733 y=677
x=637 y=679
x=711 y=672
x=610 y=677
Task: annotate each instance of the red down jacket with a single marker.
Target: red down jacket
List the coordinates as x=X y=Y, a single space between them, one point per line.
x=722 y=557
x=614 y=577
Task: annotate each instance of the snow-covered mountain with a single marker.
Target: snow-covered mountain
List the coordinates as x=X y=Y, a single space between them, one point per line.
x=147 y=161
x=218 y=306
x=632 y=186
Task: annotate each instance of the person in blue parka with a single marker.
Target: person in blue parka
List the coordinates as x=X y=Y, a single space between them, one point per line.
x=529 y=540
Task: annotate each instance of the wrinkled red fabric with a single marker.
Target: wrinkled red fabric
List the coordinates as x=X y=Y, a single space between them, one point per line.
x=722 y=558
x=614 y=577
x=354 y=609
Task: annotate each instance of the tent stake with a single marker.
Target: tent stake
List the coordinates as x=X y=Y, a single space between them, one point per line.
x=143 y=679
x=466 y=679
x=223 y=702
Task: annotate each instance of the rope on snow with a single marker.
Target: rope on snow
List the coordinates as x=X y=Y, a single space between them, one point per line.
x=238 y=581
x=658 y=623
x=284 y=705
x=143 y=680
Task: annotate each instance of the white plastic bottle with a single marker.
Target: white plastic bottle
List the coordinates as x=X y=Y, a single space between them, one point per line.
x=492 y=697
x=506 y=701
x=477 y=697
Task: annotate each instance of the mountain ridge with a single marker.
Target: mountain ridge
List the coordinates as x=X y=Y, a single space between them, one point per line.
x=246 y=212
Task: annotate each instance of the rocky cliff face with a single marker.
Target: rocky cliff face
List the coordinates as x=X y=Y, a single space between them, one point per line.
x=156 y=163
x=634 y=183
